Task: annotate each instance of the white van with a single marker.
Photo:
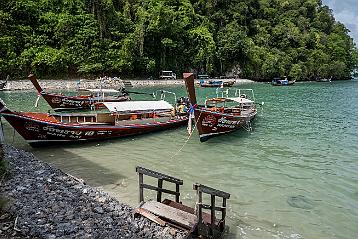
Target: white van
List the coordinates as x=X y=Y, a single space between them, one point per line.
x=167 y=75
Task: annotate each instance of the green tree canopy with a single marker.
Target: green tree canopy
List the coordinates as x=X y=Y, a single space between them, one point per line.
x=264 y=38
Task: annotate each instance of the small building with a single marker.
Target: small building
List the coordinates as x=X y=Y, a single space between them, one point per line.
x=167 y=75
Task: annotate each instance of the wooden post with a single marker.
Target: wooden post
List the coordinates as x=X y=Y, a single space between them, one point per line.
x=159 y=189
x=141 y=197
x=223 y=213
x=159 y=192
x=200 y=209
x=177 y=199
x=212 y=208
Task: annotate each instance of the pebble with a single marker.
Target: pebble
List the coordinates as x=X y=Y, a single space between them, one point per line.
x=51 y=204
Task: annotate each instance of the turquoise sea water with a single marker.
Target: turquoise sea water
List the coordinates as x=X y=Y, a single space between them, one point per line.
x=294 y=176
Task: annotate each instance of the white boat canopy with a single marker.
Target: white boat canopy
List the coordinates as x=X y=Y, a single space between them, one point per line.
x=241 y=100
x=100 y=90
x=131 y=106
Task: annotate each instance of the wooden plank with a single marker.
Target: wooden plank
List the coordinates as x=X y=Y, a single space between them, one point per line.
x=211 y=191
x=206 y=216
x=154 y=174
x=159 y=189
x=176 y=216
x=150 y=216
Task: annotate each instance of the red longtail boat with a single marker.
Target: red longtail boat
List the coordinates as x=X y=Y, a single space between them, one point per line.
x=123 y=119
x=94 y=98
x=217 y=117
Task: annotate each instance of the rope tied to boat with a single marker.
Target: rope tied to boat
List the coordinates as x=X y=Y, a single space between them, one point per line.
x=190 y=133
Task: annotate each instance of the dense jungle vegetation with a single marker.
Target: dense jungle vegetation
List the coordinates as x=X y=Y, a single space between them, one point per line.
x=259 y=39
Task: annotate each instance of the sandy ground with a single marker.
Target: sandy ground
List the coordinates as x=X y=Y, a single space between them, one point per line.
x=83 y=83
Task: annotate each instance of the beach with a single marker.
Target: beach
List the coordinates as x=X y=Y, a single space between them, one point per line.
x=73 y=84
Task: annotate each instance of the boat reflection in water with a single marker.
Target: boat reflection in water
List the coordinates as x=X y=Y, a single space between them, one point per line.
x=123 y=119
x=221 y=114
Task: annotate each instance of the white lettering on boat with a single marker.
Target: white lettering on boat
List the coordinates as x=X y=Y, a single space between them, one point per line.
x=222 y=122
x=208 y=121
x=72 y=102
x=103 y=132
x=31 y=126
x=50 y=130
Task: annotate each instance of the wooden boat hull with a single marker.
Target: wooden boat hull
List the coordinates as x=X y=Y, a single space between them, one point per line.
x=210 y=124
x=324 y=80
x=288 y=84
x=38 y=131
x=225 y=84
x=62 y=102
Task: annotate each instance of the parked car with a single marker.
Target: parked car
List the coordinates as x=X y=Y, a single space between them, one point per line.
x=166 y=75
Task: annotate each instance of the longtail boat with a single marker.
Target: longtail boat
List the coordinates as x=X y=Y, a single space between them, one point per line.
x=216 y=83
x=282 y=82
x=92 y=97
x=221 y=114
x=123 y=119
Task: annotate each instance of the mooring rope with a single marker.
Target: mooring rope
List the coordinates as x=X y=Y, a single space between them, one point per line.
x=13 y=136
x=187 y=140
x=2 y=136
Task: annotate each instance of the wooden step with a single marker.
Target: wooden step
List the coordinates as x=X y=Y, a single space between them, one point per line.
x=174 y=215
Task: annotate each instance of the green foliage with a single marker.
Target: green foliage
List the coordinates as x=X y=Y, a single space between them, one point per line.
x=265 y=38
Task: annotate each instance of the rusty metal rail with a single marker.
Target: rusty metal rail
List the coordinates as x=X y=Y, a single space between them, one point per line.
x=167 y=212
x=161 y=177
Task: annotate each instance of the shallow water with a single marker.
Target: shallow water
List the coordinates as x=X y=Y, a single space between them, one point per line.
x=294 y=176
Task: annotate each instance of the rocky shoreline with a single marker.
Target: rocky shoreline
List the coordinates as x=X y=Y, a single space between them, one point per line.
x=47 y=203
x=73 y=84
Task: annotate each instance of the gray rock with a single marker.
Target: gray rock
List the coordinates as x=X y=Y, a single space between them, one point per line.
x=54 y=205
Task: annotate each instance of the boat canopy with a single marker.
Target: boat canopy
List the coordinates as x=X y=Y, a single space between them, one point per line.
x=128 y=106
x=100 y=90
x=240 y=100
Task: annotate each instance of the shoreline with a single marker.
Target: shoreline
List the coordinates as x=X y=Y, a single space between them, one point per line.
x=72 y=84
x=48 y=203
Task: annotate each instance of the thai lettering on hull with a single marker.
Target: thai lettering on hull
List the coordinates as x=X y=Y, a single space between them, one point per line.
x=222 y=122
x=208 y=121
x=70 y=102
x=31 y=126
x=56 y=100
x=64 y=133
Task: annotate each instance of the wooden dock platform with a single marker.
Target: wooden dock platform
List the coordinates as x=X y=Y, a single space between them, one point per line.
x=173 y=213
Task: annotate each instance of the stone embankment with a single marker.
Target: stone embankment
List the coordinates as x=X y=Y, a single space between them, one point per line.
x=74 y=84
x=47 y=203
